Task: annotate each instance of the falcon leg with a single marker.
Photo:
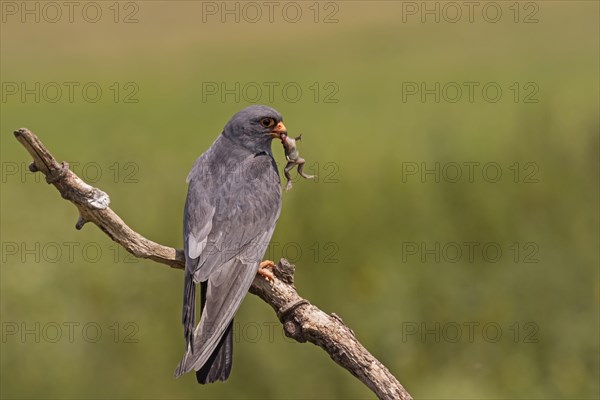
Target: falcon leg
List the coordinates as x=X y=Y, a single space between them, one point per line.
x=265 y=270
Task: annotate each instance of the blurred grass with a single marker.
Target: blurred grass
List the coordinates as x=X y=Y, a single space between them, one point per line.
x=368 y=213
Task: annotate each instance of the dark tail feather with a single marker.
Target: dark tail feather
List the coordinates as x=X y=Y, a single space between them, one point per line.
x=218 y=365
x=189 y=310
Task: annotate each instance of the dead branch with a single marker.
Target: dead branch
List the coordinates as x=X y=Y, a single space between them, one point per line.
x=301 y=320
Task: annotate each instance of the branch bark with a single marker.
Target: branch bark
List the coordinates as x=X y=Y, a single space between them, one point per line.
x=301 y=320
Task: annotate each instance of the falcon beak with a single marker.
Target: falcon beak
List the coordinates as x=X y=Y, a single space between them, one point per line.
x=278 y=131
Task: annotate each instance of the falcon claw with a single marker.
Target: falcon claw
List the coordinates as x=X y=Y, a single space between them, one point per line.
x=266 y=264
x=264 y=270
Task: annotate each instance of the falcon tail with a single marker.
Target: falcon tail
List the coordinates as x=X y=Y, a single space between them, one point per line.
x=189 y=310
x=218 y=366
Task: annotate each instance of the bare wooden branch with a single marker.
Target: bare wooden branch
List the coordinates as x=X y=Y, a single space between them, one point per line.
x=301 y=320
x=93 y=203
x=305 y=322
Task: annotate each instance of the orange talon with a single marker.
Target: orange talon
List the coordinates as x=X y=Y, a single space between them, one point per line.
x=264 y=270
x=267 y=264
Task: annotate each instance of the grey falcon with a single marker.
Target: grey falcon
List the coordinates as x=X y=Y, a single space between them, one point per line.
x=232 y=206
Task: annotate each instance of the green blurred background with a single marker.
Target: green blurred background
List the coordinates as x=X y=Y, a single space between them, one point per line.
x=351 y=233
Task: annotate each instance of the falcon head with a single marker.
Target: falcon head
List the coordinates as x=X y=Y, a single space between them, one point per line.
x=255 y=127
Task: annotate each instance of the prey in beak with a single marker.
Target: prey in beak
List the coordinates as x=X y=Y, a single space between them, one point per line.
x=278 y=131
x=293 y=158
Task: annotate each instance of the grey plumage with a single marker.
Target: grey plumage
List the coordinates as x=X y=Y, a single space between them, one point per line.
x=233 y=202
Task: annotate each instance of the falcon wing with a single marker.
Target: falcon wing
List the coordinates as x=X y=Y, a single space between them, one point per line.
x=227 y=232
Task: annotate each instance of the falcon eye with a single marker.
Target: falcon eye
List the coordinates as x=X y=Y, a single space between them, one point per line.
x=267 y=122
